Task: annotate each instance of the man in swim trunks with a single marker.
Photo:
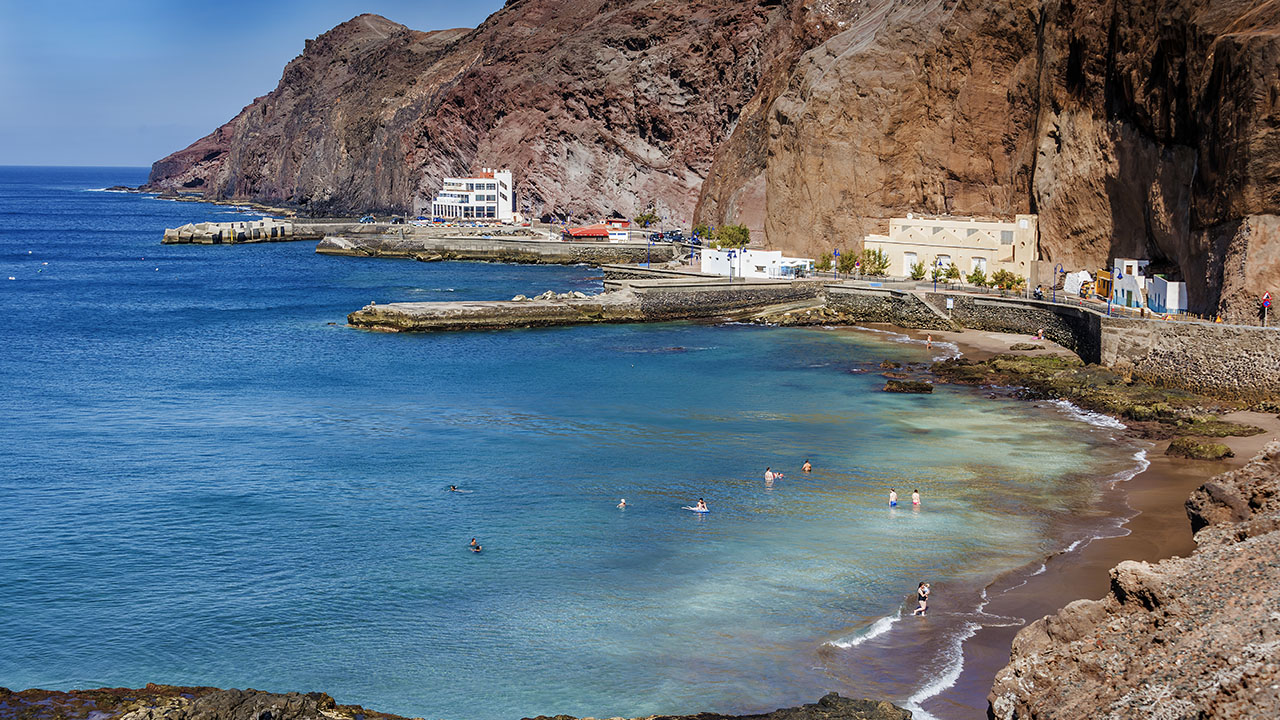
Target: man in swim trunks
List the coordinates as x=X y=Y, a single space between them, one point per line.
x=806 y=467
x=893 y=498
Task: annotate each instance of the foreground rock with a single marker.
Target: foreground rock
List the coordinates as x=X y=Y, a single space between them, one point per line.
x=169 y=702
x=1195 y=637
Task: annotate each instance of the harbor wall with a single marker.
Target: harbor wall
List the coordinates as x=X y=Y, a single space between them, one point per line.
x=495 y=249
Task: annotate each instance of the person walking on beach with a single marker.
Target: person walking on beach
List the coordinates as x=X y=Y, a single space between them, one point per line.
x=893 y=498
x=922 y=595
x=915 y=498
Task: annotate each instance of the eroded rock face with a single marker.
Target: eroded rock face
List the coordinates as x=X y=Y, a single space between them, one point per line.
x=1186 y=637
x=598 y=106
x=1135 y=129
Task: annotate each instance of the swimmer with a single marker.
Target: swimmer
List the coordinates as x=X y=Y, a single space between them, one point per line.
x=476 y=548
x=893 y=498
x=915 y=498
x=928 y=341
x=622 y=503
x=806 y=467
x=474 y=544
x=768 y=475
x=453 y=488
x=702 y=505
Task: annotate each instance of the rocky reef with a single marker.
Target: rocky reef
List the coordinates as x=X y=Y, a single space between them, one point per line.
x=168 y=702
x=1194 y=637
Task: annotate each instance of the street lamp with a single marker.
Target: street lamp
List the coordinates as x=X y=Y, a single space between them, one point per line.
x=835 y=267
x=937 y=267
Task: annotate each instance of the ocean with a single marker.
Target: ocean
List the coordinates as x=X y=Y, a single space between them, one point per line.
x=206 y=478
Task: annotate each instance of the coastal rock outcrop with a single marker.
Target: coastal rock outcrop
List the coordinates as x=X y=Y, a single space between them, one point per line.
x=168 y=702
x=1185 y=637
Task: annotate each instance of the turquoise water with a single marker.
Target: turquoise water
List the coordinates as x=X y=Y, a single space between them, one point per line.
x=206 y=479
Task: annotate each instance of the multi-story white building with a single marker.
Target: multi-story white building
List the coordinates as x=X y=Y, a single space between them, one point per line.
x=968 y=244
x=489 y=195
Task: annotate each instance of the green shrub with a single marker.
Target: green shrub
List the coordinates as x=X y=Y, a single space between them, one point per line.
x=917 y=271
x=823 y=263
x=732 y=236
x=875 y=262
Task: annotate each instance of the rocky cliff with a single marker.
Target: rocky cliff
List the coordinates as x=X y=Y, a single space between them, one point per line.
x=1144 y=129
x=1195 y=637
x=168 y=702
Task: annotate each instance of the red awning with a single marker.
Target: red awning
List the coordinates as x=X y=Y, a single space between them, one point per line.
x=597 y=230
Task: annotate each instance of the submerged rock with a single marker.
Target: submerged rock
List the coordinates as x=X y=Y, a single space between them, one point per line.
x=908 y=386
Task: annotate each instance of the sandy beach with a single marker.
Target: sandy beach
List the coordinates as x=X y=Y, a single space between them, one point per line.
x=1158 y=528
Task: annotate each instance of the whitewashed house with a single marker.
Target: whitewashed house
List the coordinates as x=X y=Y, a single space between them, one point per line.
x=763 y=264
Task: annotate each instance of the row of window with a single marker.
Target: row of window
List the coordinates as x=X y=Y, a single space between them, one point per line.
x=1006 y=236
x=470 y=211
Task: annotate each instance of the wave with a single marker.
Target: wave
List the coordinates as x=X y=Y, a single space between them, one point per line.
x=952 y=348
x=1076 y=412
x=874 y=630
x=953 y=665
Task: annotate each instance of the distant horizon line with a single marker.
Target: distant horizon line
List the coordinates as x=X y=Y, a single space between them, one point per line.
x=103 y=167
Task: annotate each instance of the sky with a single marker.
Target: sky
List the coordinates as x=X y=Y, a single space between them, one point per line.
x=124 y=83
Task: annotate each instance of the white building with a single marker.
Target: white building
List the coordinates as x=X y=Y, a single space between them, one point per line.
x=1128 y=286
x=490 y=195
x=1166 y=297
x=765 y=264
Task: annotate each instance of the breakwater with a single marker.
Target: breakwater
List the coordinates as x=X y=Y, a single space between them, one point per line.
x=243 y=231
x=526 y=250
x=631 y=301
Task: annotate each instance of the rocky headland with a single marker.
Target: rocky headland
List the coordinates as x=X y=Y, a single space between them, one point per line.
x=1141 y=129
x=1186 y=637
x=168 y=702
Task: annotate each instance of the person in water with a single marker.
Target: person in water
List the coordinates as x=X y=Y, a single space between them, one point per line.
x=474 y=544
x=915 y=498
x=768 y=475
x=893 y=498
x=922 y=595
x=454 y=488
x=622 y=503
x=701 y=506
x=806 y=467
x=476 y=548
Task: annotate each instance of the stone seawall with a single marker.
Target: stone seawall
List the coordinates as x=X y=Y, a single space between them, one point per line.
x=526 y=251
x=639 y=301
x=1075 y=329
x=1233 y=361
x=882 y=305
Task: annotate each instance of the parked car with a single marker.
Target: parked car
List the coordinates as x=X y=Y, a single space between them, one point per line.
x=397 y=220
x=367 y=219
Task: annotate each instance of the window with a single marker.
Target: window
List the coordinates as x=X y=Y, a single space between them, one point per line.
x=937 y=229
x=979 y=263
x=943 y=261
x=1006 y=237
x=471 y=186
x=1023 y=224
x=970 y=232
x=908 y=260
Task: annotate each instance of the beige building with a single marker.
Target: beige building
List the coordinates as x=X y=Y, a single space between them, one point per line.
x=966 y=243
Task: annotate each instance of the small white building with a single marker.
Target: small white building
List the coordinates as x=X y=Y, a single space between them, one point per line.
x=763 y=264
x=1128 y=285
x=489 y=195
x=1073 y=283
x=1165 y=296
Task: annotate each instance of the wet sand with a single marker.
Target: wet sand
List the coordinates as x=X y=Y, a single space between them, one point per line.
x=1159 y=529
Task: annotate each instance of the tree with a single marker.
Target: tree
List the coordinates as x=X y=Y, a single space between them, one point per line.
x=953 y=273
x=917 y=270
x=823 y=263
x=978 y=277
x=1006 y=280
x=938 y=273
x=646 y=218
x=732 y=236
x=701 y=230
x=875 y=262
x=847 y=261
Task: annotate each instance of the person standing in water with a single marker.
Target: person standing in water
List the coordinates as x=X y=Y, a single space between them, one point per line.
x=806 y=467
x=768 y=475
x=915 y=498
x=922 y=595
x=928 y=341
x=893 y=498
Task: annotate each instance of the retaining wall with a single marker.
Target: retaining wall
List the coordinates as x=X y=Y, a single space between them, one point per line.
x=1076 y=329
x=494 y=250
x=884 y=305
x=1234 y=361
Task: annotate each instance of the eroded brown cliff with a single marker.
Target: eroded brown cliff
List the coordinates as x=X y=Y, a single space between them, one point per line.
x=1144 y=129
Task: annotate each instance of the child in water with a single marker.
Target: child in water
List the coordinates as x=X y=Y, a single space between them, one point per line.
x=915 y=498
x=922 y=594
x=893 y=498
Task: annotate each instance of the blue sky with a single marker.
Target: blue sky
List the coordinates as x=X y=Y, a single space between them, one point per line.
x=125 y=83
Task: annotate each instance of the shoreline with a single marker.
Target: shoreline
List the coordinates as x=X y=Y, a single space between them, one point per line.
x=1151 y=525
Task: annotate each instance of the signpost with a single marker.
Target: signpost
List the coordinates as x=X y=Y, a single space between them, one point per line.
x=1266 y=306
x=951 y=303
x=835 y=268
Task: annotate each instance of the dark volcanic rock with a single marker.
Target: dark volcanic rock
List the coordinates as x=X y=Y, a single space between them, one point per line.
x=908 y=386
x=1194 y=637
x=830 y=707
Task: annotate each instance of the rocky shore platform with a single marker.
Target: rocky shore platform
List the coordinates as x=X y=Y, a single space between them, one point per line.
x=631 y=301
x=169 y=702
x=1185 y=637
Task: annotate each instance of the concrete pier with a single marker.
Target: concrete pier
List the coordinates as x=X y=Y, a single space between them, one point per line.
x=417 y=245
x=632 y=301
